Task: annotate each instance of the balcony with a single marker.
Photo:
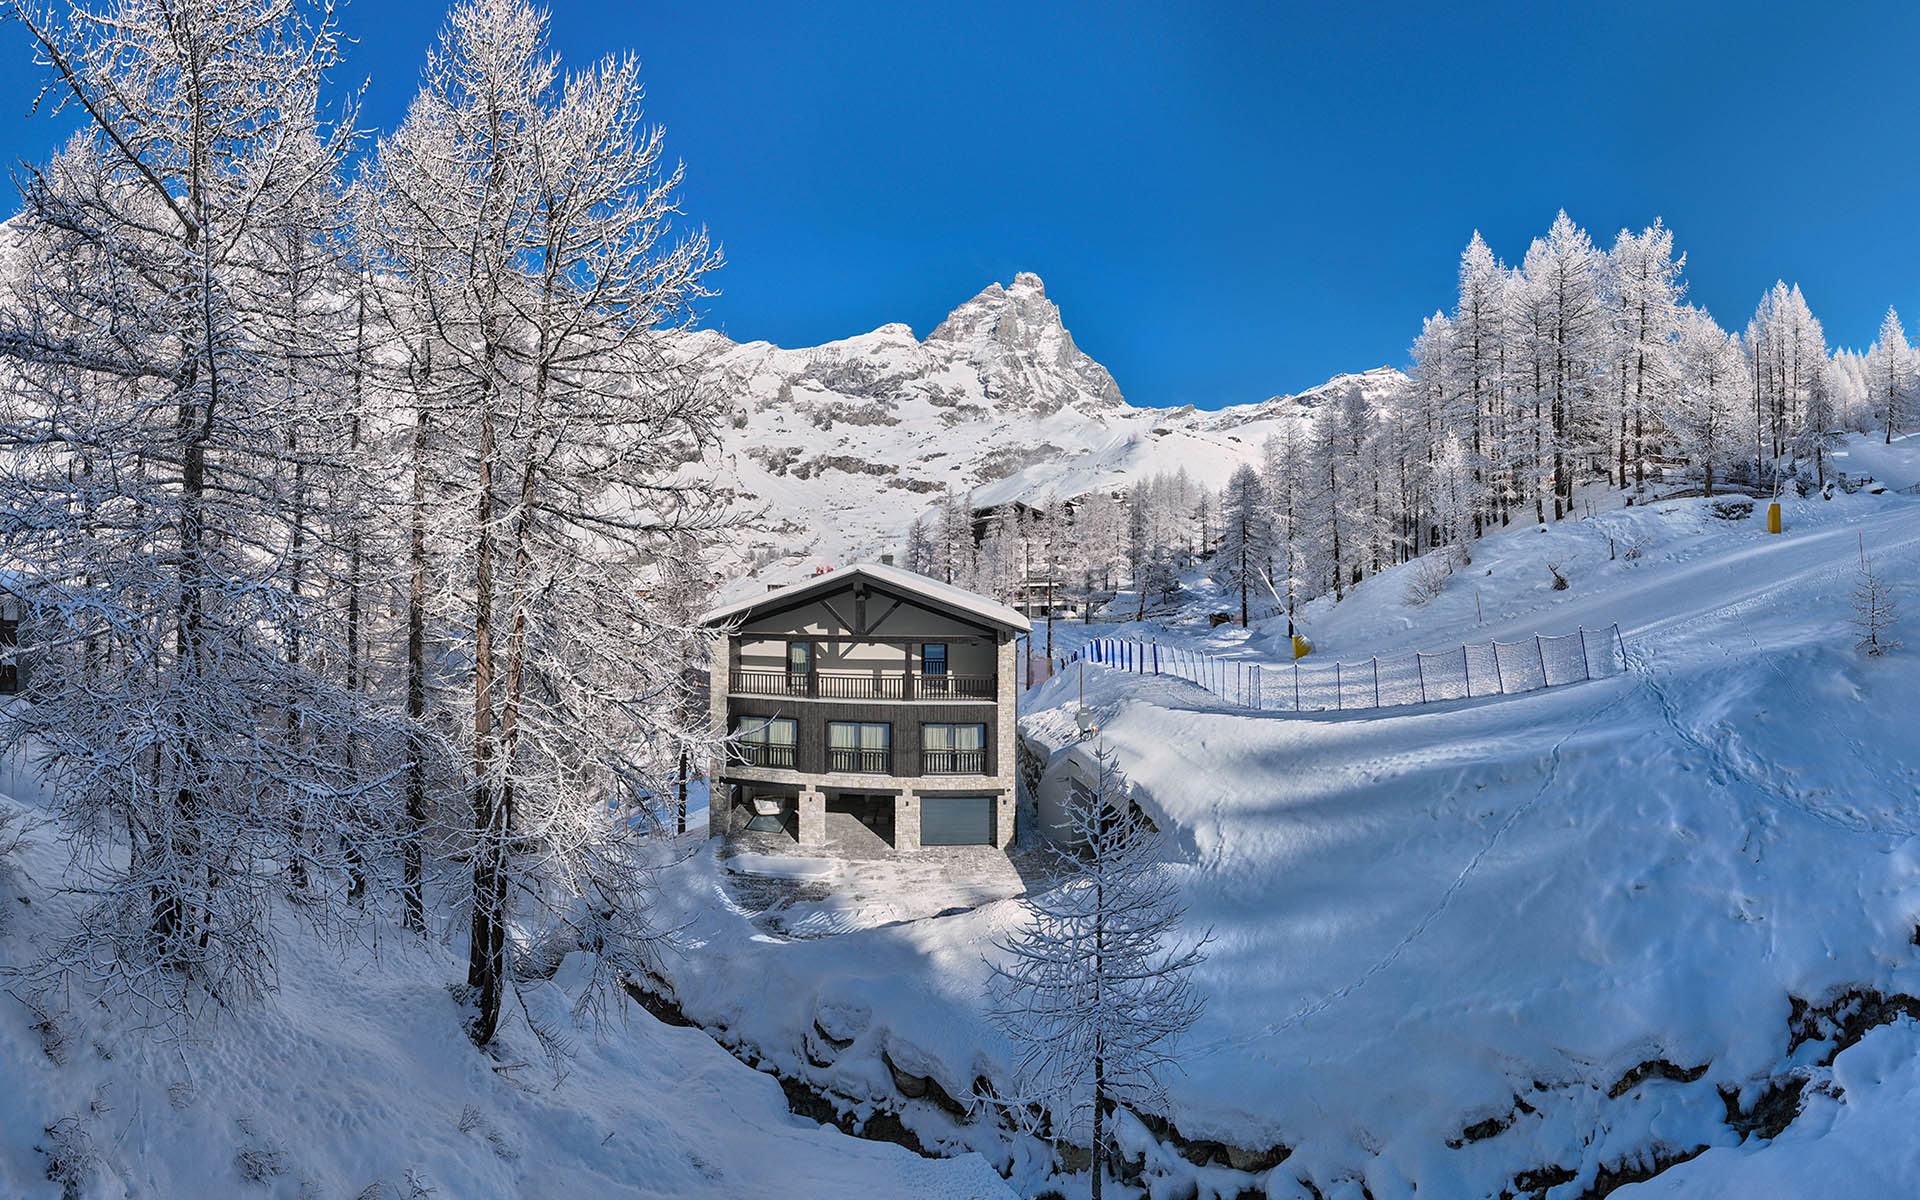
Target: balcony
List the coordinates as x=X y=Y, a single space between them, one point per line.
x=857 y=761
x=954 y=762
x=755 y=754
x=864 y=685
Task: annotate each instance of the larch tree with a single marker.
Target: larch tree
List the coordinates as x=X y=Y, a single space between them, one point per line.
x=1288 y=496
x=551 y=206
x=1246 y=536
x=1643 y=292
x=1567 y=269
x=1475 y=375
x=1091 y=988
x=1890 y=373
x=166 y=482
x=1711 y=390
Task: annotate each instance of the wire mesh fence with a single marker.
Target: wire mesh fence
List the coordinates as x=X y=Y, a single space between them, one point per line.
x=1396 y=680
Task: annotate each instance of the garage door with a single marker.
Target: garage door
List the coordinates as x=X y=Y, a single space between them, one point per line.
x=956 y=820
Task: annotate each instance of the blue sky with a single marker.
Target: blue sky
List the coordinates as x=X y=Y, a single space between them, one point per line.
x=1233 y=201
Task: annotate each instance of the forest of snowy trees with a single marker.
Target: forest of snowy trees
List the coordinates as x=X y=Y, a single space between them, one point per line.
x=1579 y=369
x=346 y=482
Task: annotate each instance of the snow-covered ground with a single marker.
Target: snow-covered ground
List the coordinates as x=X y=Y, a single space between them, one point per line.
x=1536 y=944
x=358 y=1082
x=1464 y=945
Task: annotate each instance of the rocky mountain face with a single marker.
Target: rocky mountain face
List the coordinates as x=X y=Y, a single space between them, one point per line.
x=836 y=448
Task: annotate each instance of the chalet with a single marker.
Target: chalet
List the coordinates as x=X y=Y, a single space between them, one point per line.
x=871 y=691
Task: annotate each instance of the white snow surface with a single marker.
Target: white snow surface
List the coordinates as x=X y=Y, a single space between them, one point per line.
x=1420 y=915
x=354 y=1075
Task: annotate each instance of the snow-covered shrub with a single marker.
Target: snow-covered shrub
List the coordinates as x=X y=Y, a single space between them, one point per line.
x=1875 y=609
x=49 y=1026
x=1737 y=508
x=1559 y=580
x=258 y=1162
x=71 y=1158
x=1637 y=546
x=1427 y=578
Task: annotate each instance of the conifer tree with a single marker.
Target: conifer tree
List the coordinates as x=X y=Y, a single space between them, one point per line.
x=1091 y=989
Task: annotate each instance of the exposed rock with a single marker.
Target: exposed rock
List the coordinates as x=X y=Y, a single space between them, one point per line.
x=1654 y=1068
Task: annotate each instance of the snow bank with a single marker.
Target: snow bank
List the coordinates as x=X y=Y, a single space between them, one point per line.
x=1528 y=936
x=359 y=1074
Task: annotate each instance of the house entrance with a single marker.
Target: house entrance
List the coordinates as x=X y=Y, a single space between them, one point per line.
x=873 y=811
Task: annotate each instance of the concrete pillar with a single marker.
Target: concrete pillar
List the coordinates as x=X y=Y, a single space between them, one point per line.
x=906 y=821
x=1003 y=821
x=813 y=817
x=719 y=795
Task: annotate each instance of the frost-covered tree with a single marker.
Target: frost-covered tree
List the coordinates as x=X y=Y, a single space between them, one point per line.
x=1099 y=542
x=1452 y=487
x=1792 y=399
x=1289 y=492
x=538 y=215
x=1875 y=608
x=920 y=557
x=953 y=544
x=1643 y=291
x=1890 y=372
x=1139 y=545
x=1711 y=387
x=1570 y=345
x=169 y=472
x=1475 y=377
x=1091 y=988
x=1246 y=535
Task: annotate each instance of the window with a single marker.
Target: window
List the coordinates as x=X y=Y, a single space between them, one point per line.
x=766 y=741
x=863 y=746
x=799 y=665
x=933 y=658
x=954 y=749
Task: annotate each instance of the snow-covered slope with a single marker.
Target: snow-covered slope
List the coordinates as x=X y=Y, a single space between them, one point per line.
x=840 y=446
x=1534 y=945
x=355 y=1080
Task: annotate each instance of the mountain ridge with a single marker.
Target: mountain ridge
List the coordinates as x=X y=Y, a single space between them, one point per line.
x=837 y=447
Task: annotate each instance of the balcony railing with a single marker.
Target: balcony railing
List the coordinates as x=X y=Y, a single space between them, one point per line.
x=864 y=685
x=770 y=754
x=859 y=761
x=954 y=762
x=955 y=687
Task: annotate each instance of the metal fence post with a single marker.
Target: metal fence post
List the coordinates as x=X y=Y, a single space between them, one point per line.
x=1296 y=685
x=1156 y=658
x=1420 y=669
x=1585 y=662
x=1466 y=668
x=1339 y=689
x=1539 y=649
x=1623 y=645
x=1376 y=681
x=1499 y=676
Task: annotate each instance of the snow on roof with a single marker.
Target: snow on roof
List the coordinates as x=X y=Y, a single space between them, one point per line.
x=907 y=581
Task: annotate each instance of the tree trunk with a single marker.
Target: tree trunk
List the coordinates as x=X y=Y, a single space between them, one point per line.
x=410 y=849
x=486 y=951
x=1098 y=1164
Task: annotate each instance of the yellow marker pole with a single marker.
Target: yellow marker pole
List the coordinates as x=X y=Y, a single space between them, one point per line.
x=1773 y=517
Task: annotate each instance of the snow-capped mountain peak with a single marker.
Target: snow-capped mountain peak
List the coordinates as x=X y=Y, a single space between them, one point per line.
x=841 y=445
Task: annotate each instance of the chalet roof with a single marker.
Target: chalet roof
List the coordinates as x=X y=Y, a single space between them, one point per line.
x=894 y=578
